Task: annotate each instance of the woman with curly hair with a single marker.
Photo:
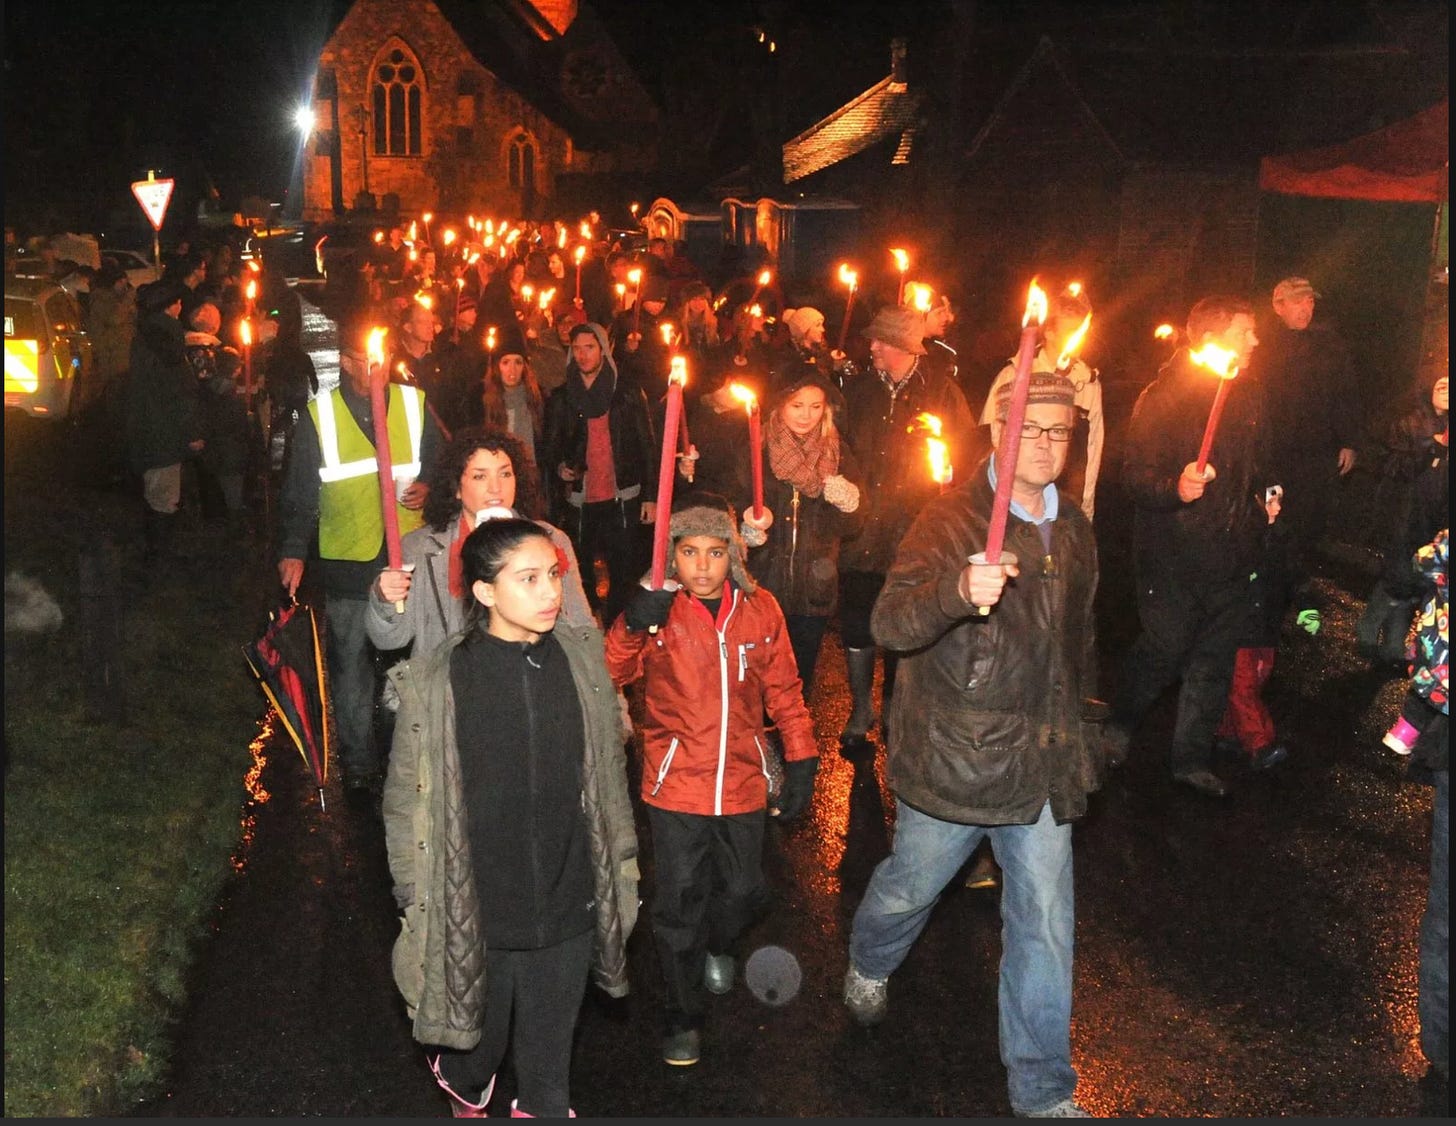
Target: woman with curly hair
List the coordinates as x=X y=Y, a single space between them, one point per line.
x=482 y=474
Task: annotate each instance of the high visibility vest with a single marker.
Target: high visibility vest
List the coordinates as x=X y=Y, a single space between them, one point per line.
x=351 y=519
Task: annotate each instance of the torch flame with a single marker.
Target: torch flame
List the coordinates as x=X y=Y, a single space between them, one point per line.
x=515 y=234
x=621 y=290
x=448 y=237
x=1219 y=360
x=528 y=292
x=423 y=298
x=460 y=283
x=414 y=230
x=255 y=265
x=470 y=221
x=490 y=226
x=378 y=236
x=1075 y=289
x=743 y=394
x=920 y=296
x=1164 y=331
x=667 y=330
x=635 y=277
x=848 y=276
x=586 y=230
x=679 y=372
x=245 y=330
x=930 y=423
x=561 y=238
x=755 y=311
x=902 y=258
x=579 y=254
x=489 y=241
x=939 y=457
x=473 y=259
x=428 y=216
x=1074 y=344
x=764 y=277
x=414 y=255
x=1036 y=305
x=251 y=289
x=490 y=338
x=374 y=349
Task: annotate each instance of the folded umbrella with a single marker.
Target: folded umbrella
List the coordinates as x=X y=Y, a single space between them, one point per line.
x=288 y=660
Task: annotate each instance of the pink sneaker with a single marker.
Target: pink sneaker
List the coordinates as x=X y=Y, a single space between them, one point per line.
x=1401 y=738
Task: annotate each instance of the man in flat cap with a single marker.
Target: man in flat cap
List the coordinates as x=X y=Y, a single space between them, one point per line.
x=991 y=736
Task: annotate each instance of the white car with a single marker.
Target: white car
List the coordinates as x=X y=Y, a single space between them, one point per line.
x=140 y=270
x=48 y=363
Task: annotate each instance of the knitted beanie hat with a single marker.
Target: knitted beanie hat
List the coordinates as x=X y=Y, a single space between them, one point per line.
x=708 y=514
x=1045 y=387
x=802 y=321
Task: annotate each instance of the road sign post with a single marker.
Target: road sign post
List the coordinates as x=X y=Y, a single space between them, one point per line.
x=154 y=195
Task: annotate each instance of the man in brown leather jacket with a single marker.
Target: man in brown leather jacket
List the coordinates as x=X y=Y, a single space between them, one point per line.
x=987 y=739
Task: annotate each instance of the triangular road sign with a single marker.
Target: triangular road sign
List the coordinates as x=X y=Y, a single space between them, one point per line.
x=153 y=195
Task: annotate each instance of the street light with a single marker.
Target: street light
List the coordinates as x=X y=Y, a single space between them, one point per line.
x=304 y=119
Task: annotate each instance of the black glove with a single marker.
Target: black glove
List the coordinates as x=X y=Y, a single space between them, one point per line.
x=798 y=788
x=648 y=608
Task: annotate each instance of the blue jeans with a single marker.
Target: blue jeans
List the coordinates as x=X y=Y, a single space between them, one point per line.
x=1035 y=991
x=1434 y=1004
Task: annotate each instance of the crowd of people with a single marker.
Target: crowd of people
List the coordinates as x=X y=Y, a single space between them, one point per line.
x=526 y=373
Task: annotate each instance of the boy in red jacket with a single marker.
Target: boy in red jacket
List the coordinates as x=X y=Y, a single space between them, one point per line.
x=713 y=651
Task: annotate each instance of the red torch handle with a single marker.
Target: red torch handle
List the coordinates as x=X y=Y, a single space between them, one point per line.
x=755 y=442
x=665 y=473
x=844 y=324
x=378 y=392
x=1214 y=414
x=1010 y=447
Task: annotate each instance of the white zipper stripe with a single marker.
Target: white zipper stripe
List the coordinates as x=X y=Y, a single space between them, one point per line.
x=723 y=719
x=666 y=762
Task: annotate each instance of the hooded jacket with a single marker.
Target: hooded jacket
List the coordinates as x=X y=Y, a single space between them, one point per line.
x=161 y=402
x=634 y=445
x=708 y=684
x=987 y=717
x=440 y=959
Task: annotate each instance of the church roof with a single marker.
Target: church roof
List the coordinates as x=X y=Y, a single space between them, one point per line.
x=887 y=109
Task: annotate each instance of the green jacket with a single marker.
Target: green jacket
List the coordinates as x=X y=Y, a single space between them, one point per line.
x=439 y=958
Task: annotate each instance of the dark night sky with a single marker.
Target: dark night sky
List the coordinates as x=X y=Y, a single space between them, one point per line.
x=97 y=91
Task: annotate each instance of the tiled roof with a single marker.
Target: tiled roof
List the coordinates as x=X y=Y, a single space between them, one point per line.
x=885 y=109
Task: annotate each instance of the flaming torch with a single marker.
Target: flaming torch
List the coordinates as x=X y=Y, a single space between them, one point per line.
x=921 y=296
x=580 y=256
x=902 y=263
x=937 y=452
x=378 y=407
x=634 y=276
x=764 y=277
x=672 y=419
x=245 y=334
x=1220 y=361
x=448 y=237
x=851 y=279
x=427 y=217
x=250 y=293
x=1073 y=348
x=755 y=443
x=1009 y=450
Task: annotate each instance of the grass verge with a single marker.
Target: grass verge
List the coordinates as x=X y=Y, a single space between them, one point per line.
x=118 y=837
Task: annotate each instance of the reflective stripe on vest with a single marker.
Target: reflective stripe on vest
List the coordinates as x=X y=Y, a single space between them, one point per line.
x=333 y=469
x=351 y=520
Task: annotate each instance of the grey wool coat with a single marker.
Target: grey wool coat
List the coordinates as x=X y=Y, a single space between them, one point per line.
x=440 y=959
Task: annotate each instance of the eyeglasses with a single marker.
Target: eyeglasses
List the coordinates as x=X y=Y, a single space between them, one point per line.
x=1031 y=432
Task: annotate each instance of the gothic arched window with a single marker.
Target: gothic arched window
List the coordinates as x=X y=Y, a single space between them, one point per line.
x=521 y=160
x=397 y=85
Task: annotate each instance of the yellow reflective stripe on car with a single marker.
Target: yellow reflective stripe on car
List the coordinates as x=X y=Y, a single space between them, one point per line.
x=22 y=366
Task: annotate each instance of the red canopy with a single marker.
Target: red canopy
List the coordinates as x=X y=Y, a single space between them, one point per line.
x=1403 y=163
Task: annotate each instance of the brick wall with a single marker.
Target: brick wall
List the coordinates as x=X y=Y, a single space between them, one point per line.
x=467 y=115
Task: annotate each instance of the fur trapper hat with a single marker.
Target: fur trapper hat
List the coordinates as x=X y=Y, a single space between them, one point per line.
x=708 y=514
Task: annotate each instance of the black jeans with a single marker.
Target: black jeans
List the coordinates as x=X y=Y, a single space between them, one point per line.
x=806 y=638
x=709 y=887
x=532 y=998
x=614 y=529
x=1191 y=627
